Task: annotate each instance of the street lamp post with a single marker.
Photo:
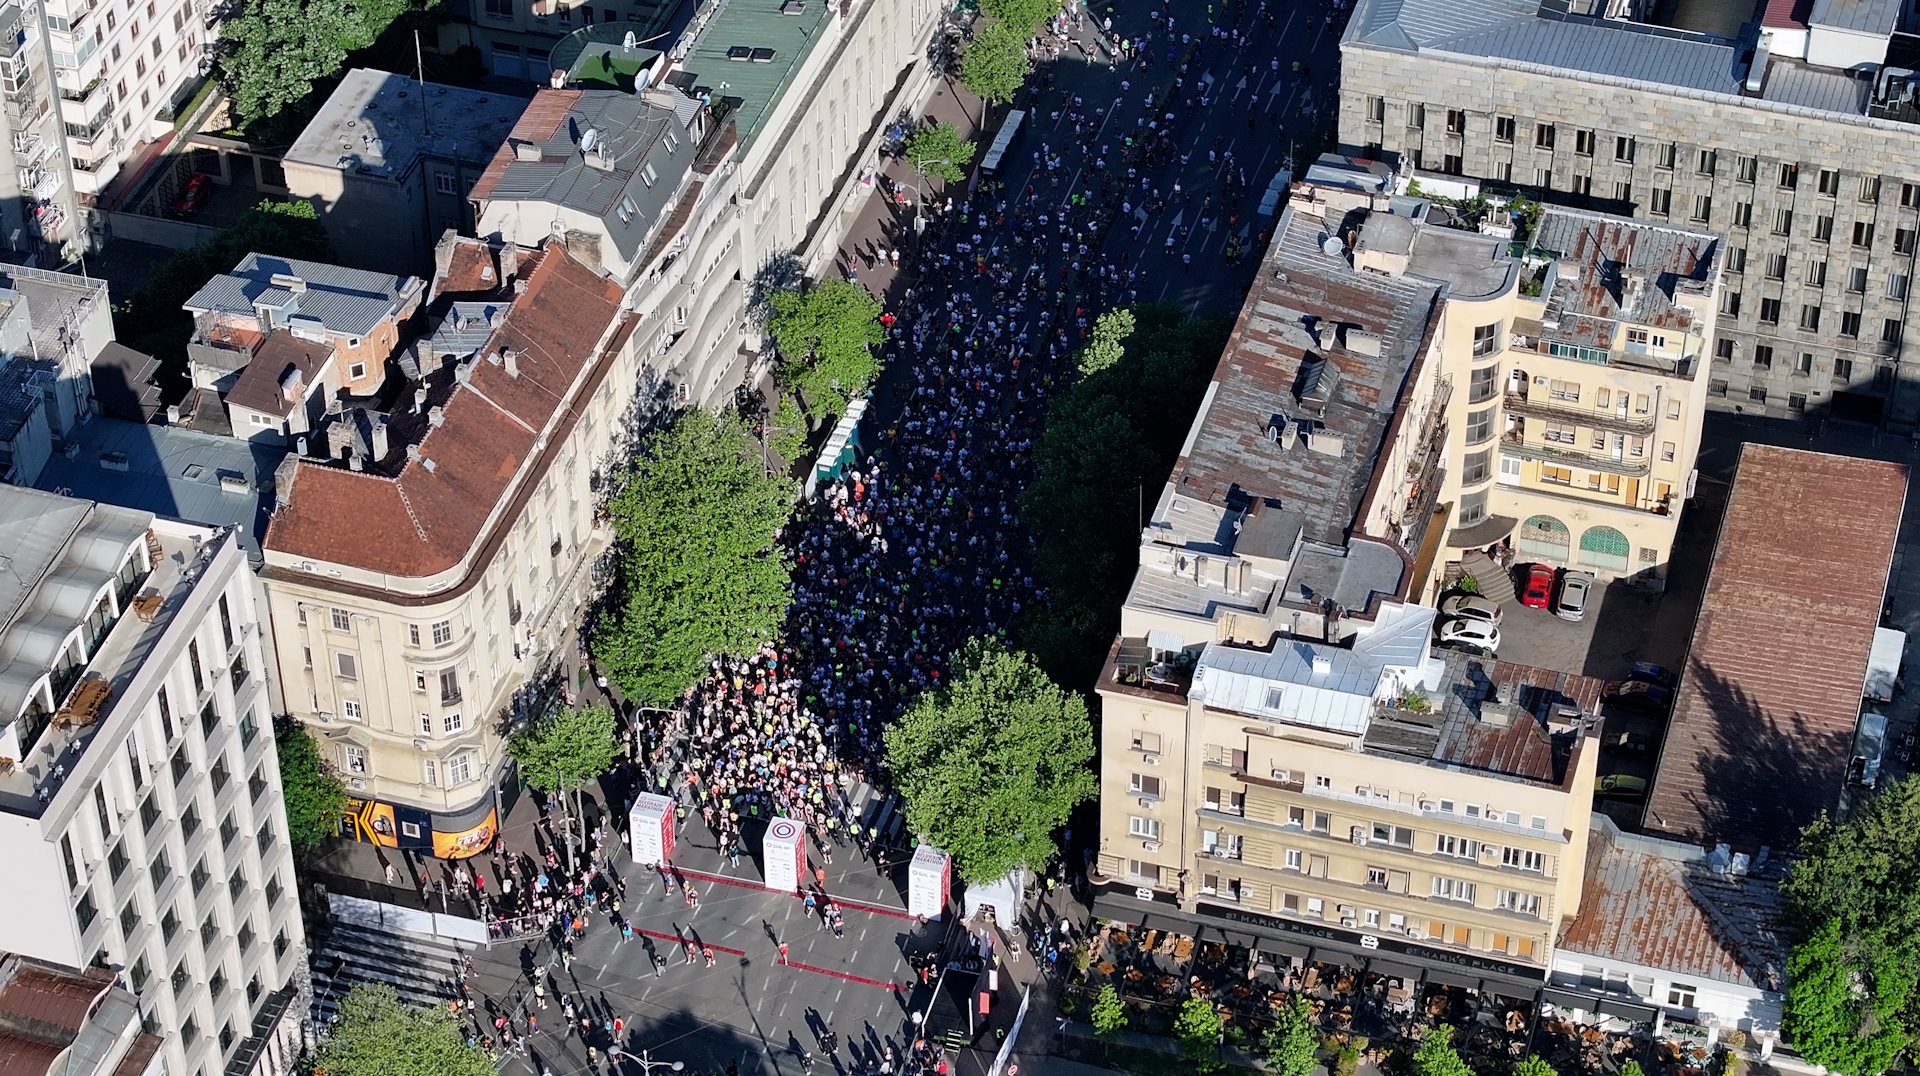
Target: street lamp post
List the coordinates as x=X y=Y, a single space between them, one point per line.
x=647 y=1063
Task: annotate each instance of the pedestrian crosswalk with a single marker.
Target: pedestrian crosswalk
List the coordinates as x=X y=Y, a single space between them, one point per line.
x=421 y=969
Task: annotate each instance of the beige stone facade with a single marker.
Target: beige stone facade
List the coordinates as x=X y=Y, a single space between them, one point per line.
x=1820 y=209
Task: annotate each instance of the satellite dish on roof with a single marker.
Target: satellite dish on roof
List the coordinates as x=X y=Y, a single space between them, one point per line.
x=589 y=140
x=629 y=41
x=1332 y=247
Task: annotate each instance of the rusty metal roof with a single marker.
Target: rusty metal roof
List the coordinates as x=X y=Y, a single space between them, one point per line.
x=1615 y=271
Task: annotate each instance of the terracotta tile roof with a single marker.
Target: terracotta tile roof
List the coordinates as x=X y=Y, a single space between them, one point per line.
x=426 y=517
x=42 y=1010
x=1661 y=905
x=1786 y=14
x=1764 y=719
x=258 y=388
x=470 y=268
x=540 y=122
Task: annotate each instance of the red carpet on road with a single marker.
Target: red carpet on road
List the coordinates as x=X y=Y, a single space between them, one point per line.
x=855 y=905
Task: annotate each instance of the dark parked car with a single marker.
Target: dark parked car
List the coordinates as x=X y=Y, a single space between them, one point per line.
x=1653 y=674
x=1639 y=695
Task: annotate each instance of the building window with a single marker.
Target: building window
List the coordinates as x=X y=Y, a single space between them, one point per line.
x=1623 y=192
x=1776 y=267
x=1843 y=371
x=341 y=620
x=1829 y=182
x=1862 y=234
x=1702 y=208
x=413 y=635
x=1703 y=164
x=1680 y=995
x=429 y=774
x=350 y=709
x=1783 y=222
x=1909 y=195
x=1543 y=135
x=1743 y=214
x=354 y=757
x=1769 y=311
x=1146 y=828
x=1523 y=859
x=452 y=723
x=1823 y=229
x=1850 y=324
x=1890 y=331
x=1816 y=274
x=442 y=632
x=1376 y=110
x=1869 y=189
x=356 y=371
x=1446 y=844
x=1141 y=784
x=450 y=685
x=1569 y=391
x=444 y=183
x=460 y=770
x=1479 y=426
x=1804 y=364
x=1416 y=117
x=1523 y=903
x=1453 y=889
x=1789 y=176
x=1503 y=129
x=346 y=666
x=1796 y=403
x=1583 y=143
x=1857 y=280
x=1456 y=121
x=1736 y=259
x=1662 y=202
x=1809 y=318
x=1666 y=155
x=1723 y=349
x=1717 y=387
x=1486 y=340
x=1146 y=741
x=1757 y=395
x=1897 y=286
x=1623 y=149
x=1903 y=241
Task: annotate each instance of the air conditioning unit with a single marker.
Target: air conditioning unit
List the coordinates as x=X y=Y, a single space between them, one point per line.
x=357 y=784
x=1145 y=802
x=1151 y=760
x=1358 y=835
x=1150 y=846
x=1426 y=805
x=1349 y=921
x=1282 y=775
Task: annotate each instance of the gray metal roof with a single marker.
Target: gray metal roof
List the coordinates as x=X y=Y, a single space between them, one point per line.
x=1793 y=83
x=348 y=302
x=1530 y=32
x=172 y=472
x=1860 y=16
x=378 y=123
x=23 y=384
x=642 y=141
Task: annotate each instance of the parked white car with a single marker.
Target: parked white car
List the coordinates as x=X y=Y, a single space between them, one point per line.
x=1471 y=635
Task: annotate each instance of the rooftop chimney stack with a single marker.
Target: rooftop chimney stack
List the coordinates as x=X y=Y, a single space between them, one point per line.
x=436 y=416
x=512 y=360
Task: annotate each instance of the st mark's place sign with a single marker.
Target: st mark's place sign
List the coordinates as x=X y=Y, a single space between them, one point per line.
x=1429 y=954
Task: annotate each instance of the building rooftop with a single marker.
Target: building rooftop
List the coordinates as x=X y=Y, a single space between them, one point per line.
x=748 y=54
x=125 y=383
x=1675 y=908
x=1763 y=722
x=174 y=473
x=1323 y=350
x=281 y=373
x=615 y=156
x=47 y=1011
x=1557 y=37
x=379 y=123
x=1511 y=721
x=346 y=302
x=56 y=304
x=421 y=513
x=1609 y=271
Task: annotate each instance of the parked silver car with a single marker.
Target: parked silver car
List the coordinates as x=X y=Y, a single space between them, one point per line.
x=1571 y=593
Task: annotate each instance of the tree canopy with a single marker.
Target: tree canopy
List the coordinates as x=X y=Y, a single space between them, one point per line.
x=376 y=1035
x=1853 y=910
x=1109 y=1013
x=992 y=763
x=700 y=573
x=1197 y=1029
x=1024 y=13
x=565 y=749
x=1533 y=1065
x=272 y=52
x=309 y=788
x=1110 y=440
x=940 y=151
x=827 y=333
x=1292 y=1042
x=1436 y=1055
x=995 y=65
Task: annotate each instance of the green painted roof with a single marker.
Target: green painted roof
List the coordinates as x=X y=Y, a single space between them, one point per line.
x=718 y=65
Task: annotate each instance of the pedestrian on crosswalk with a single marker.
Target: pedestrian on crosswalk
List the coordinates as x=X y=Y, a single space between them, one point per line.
x=540 y=992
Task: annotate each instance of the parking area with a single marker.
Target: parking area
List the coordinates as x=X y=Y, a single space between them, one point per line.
x=1616 y=631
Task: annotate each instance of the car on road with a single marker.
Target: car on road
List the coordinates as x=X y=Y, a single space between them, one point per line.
x=1536 y=588
x=1471 y=634
x=1620 y=786
x=1653 y=674
x=192 y=194
x=1471 y=607
x=1571 y=595
x=1639 y=695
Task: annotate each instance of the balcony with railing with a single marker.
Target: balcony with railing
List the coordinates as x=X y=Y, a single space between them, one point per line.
x=1542 y=405
x=1531 y=336
x=81 y=93
x=1514 y=443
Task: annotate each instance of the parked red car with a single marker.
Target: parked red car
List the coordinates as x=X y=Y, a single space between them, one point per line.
x=192 y=194
x=1537 y=590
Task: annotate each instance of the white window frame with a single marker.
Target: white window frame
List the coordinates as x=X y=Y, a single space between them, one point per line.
x=1144 y=828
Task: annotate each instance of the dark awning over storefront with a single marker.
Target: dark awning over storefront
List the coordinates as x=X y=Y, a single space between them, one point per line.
x=1567 y=999
x=1627 y=1010
x=1393 y=970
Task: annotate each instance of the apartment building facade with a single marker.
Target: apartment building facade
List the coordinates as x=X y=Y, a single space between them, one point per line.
x=1779 y=140
x=1286 y=759
x=423 y=562
x=140 y=800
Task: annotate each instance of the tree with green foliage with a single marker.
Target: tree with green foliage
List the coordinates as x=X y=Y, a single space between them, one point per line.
x=560 y=753
x=1292 y=1042
x=1109 y=1015
x=787 y=430
x=151 y=320
x=1111 y=438
x=310 y=790
x=1023 y=13
x=1197 y=1029
x=1853 y=914
x=1533 y=1065
x=272 y=52
x=377 y=1035
x=1632 y=1068
x=940 y=151
x=993 y=762
x=826 y=334
x=996 y=65
x=1436 y=1055
x=699 y=571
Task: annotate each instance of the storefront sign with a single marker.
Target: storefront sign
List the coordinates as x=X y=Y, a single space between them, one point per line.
x=372 y=822
x=1428 y=954
x=467 y=842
